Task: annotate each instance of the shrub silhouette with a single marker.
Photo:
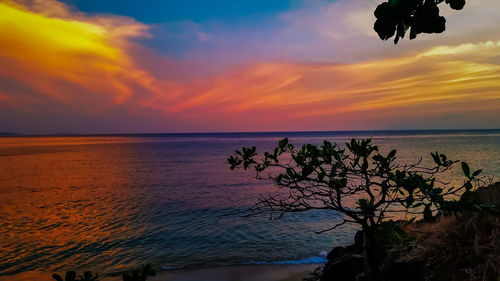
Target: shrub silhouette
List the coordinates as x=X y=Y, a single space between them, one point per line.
x=71 y=276
x=139 y=274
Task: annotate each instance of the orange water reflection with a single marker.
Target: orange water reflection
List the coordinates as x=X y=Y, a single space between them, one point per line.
x=56 y=204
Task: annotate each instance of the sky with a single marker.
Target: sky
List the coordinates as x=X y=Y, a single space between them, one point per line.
x=162 y=66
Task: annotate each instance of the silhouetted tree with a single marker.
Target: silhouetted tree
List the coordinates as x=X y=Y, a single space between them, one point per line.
x=357 y=181
x=396 y=17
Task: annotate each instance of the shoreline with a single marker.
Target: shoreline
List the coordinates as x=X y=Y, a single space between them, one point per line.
x=251 y=272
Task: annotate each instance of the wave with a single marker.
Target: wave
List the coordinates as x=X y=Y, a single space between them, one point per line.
x=310 y=260
x=300 y=261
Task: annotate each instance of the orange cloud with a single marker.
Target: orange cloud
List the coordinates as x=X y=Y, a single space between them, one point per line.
x=3 y=97
x=446 y=74
x=437 y=81
x=75 y=59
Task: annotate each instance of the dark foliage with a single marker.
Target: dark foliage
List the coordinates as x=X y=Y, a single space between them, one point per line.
x=139 y=274
x=359 y=182
x=466 y=247
x=71 y=276
x=396 y=17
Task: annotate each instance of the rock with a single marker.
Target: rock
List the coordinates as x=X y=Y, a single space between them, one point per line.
x=351 y=249
x=346 y=269
x=315 y=275
x=336 y=254
x=407 y=271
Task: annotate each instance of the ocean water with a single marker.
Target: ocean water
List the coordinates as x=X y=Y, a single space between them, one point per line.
x=108 y=203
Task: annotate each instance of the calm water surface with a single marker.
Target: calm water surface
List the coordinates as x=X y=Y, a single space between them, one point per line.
x=111 y=202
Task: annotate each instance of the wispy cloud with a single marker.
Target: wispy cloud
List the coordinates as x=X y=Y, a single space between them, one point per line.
x=439 y=80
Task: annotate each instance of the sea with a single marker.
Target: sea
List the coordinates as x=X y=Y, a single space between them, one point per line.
x=108 y=203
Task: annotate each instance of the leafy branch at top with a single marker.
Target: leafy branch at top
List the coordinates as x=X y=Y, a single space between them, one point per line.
x=396 y=17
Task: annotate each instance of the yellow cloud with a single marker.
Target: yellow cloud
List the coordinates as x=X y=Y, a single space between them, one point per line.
x=75 y=59
x=461 y=49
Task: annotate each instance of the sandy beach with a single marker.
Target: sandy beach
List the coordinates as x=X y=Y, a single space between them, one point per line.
x=241 y=273
x=225 y=273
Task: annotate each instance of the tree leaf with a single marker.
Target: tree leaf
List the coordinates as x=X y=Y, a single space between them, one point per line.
x=392 y=153
x=476 y=173
x=466 y=169
x=436 y=158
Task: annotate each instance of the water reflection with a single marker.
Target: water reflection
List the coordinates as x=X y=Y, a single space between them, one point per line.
x=60 y=205
x=106 y=203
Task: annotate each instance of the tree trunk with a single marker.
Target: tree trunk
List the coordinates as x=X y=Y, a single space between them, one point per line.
x=372 y=260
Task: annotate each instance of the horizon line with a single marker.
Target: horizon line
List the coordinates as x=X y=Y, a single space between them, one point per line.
x=12 y=134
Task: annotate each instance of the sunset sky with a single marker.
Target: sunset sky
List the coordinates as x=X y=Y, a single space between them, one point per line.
x=88 y=66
